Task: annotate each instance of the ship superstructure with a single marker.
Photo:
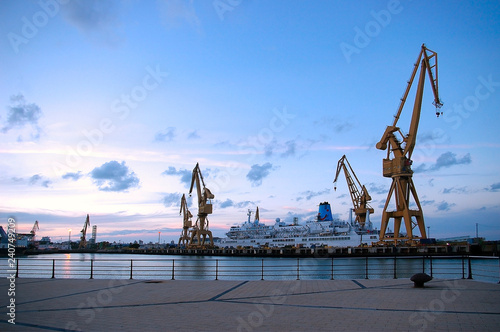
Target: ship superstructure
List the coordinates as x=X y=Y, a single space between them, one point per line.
x=320 y=232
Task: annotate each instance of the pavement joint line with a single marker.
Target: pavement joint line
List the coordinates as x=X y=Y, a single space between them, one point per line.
x=79 y=293
x=359 y=284
x=311 y=306
x=227 y=291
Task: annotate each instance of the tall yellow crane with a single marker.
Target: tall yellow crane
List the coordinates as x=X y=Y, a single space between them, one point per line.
x=200 y=230
x=83 y=240
x=187 y=222
x=398 y=165
x=360 y=198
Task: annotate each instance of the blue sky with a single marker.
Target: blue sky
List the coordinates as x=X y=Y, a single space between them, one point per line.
x=107 y=106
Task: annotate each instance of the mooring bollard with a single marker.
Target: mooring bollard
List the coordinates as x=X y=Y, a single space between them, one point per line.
x=420 y=279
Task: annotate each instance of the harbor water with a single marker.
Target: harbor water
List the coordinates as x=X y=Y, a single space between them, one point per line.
x=182 y=267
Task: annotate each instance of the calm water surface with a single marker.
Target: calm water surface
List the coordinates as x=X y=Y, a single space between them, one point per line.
x=106 y=266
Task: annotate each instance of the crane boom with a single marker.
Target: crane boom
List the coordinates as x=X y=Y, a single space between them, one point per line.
x=398 y=166
x=35 y=228
x=359 y=197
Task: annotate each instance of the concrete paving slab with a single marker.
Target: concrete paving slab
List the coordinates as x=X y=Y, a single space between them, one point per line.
x=296 y=305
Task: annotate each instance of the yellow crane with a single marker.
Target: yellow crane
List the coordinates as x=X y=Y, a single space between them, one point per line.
x=200 y=230
x=187 y=222
x=398 y=165
x=34 y=229
x=359 y=197
x=83 y=240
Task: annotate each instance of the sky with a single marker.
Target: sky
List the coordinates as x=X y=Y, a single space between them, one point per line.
x=107 y=106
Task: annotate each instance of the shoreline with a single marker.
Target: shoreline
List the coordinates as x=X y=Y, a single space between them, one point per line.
x=285 y=252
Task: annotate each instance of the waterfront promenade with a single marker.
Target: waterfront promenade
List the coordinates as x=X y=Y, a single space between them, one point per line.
x=237 y=305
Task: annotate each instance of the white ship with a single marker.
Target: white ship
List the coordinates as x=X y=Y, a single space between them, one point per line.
x=324 y=231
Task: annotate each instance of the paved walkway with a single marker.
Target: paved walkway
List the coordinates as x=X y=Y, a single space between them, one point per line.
x=305 y=305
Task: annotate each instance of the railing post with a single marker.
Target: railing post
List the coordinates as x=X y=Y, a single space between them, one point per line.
x=262 y=270
x=395 y=268
x=91 y=269
x=499 y=269
x=366 y=267
x=463 y=267
x=298 y=268
x=470 y=270
x=423 y=264
x=430 y=261
x=131 y=268
x=17 y=268
x=53 y=268
x=216 y=269
x=332 y=269
x=173 y=269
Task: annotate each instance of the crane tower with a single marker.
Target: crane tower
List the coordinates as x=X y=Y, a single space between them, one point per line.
x=187 y=222
x=83 y=241
x=398 y=164
x=358 y=192
x=200 y=230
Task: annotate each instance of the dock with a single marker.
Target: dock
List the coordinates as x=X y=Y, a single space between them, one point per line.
x=239 y=305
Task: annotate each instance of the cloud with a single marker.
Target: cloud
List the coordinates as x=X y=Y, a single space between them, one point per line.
x=290 y=149
x=21 y=114
x=310 y=194
x=97 y=19
x=38 y=179
x=230 y=203
x=445 y=206
x=193 y=135
x=166 y=135
x=172 y=199
x=114 y=176
x=72 y=176
x=374 y=188
x=258 y=172
x=445 y=160
x=454 y=190
x=427 y=202
x=185 y=175
x=494 y=187
x=334 y=124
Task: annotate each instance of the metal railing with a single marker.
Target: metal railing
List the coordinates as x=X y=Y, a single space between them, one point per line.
x=481 y=268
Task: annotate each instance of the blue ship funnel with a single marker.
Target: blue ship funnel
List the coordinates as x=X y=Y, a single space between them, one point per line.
x=325 y=212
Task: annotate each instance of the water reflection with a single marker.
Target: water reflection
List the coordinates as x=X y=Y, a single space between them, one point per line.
x=106 y=266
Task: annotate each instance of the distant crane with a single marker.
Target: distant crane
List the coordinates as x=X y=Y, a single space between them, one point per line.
x=83 y=241
x=359 y=194
x=187 y=222
x=34 y=229
x=398 y=166
x=200 y=230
